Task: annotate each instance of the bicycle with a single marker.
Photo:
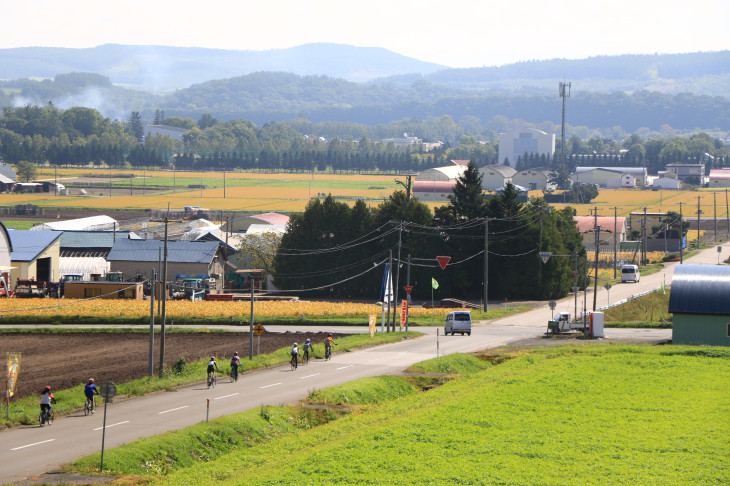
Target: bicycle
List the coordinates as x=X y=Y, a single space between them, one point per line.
x=305 y=357
x=294 y=362
x=234 y=375
x=327 y=353
x=211 y=380
x=46 y=417
x=89 y=406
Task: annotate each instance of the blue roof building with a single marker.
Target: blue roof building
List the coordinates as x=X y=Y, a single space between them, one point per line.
x=35 y=255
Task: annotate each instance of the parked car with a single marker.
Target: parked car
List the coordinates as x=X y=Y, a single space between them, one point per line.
x=630 y=273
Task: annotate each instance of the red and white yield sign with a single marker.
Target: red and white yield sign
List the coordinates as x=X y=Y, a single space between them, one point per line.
x=443 y=261
x=408 y=289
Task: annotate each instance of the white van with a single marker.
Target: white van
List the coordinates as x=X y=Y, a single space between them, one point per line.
x=458 y=321
x=629 y=273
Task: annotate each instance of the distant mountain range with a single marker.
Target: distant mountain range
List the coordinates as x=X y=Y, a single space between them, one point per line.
x=163 y=69
x=370 y=86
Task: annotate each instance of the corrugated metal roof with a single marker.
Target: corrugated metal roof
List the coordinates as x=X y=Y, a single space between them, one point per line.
x=588 y=223
x=93 y=239
x=28 y=244
x=92 y=222
x=700 y=289
x=433 y=186
x=150 y=251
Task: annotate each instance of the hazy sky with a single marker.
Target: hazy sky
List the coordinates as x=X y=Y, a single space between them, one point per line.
x=456 y=33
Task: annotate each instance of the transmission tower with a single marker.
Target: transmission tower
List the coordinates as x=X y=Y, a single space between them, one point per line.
x=564 y=90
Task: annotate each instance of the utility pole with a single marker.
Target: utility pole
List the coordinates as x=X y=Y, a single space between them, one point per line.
x=698 y=222
x=727 y=215
x=595 y=282
x=714 y=205
x=564 y=91
x=486 y=263
x=643 y=239
x=151 y=367
x=164 y=301
x=388 y=285
x=681 y=236
x=615 y=239
x=408 y=283
x=397 y=273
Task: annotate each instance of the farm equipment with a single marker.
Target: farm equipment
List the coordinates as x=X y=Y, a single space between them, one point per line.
x=30 y=288
x=194 y=289
x=562 y=323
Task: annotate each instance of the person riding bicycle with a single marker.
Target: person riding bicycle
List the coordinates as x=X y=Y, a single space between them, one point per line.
x=307 y=348
x=294 y=352
x=235 y=363
x=46 y=400
x=212 y=367
x=328 y=342
x=90 y=390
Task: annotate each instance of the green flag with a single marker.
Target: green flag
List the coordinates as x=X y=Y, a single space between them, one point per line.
x=434 y=283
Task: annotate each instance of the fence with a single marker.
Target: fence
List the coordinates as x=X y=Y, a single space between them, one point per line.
x=636 y=296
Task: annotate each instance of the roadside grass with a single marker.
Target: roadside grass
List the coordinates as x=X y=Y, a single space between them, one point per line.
x=456 y=364
x=591 y=415
x=25 y=410
x=366 y=391
x=651 y=310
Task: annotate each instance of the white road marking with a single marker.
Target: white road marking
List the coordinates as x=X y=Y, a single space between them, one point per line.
x=343 y=367
x=226 y=396
x=33 y=444
x=309 y=376
x=173 y=409
x=113 y=425
x=268 y=386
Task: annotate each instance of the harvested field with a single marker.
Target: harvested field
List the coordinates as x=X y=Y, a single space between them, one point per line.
x=64 y=360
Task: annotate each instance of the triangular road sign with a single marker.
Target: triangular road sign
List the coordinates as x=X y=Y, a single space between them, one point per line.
x=545 y=255
x=443 y=261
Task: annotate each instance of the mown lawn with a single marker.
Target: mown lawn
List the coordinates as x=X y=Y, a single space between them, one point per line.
x=588 y=415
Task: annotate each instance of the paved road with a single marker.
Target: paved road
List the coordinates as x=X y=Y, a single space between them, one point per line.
x=31 y=450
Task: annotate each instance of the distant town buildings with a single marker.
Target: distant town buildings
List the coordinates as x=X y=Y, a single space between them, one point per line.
x=174 y=133
x=404 y=142
x=516 y=143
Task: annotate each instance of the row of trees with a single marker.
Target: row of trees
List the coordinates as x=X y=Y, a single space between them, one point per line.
x=82 y=136
x=334 y=249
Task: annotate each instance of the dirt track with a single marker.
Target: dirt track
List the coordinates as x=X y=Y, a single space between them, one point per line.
x=68 y=359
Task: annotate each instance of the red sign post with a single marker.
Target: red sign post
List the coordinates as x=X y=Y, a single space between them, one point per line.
x=443 y=261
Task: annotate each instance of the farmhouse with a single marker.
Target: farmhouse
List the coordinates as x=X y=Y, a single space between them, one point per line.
x=720 y=178
x=688 y=172
x=495 y=177
x=133 y=257
x=612 y=231
x=533 y=179
x=699 y=304
x=35 y=255
x=610 y=177
x=5 y=249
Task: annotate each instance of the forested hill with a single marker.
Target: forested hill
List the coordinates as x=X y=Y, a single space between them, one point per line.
x=163 y=69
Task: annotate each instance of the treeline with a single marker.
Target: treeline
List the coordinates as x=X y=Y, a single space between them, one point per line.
x=331 y=248
x=82 y=136
x=266 y=96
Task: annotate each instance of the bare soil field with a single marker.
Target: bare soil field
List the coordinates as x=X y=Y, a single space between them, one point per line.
x=64 y=360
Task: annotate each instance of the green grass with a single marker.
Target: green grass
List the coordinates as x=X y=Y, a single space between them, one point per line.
x=25 y=410
x=461 y=364
x=20 y=225
x=365 y=391
x=651 y=310
x=589 y=415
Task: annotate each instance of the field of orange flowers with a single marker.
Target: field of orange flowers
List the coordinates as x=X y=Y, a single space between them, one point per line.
x=186 y=311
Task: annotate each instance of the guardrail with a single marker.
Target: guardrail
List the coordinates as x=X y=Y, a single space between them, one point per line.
x=635 y=296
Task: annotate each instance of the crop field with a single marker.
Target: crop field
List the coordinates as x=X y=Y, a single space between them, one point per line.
x=183 y=311
x=589 y=415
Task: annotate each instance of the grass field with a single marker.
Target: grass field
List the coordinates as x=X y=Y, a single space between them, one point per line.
x=651 y=310
x=588 y=415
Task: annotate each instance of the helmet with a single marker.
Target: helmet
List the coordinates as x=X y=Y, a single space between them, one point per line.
x=307 y=340
x=48 y=388
x=212 y=358
x=329 y=335
x=91 y=380
x=295 y=344
x=235 y=354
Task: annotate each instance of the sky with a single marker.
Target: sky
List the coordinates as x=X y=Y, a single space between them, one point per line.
x=454 y=33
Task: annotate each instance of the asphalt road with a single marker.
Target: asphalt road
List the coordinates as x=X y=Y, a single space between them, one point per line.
x=28 y=451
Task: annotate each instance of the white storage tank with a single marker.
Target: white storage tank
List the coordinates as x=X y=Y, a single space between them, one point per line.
x=597 y=324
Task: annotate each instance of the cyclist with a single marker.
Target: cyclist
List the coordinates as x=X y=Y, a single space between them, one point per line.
x=235 y=363
x=307 y=350
x=212 y=368
x=90 y=390
x=46 y=400
x=294 y=354
x=328 y=342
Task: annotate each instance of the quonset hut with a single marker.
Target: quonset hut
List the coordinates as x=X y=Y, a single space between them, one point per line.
x=700 y=305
